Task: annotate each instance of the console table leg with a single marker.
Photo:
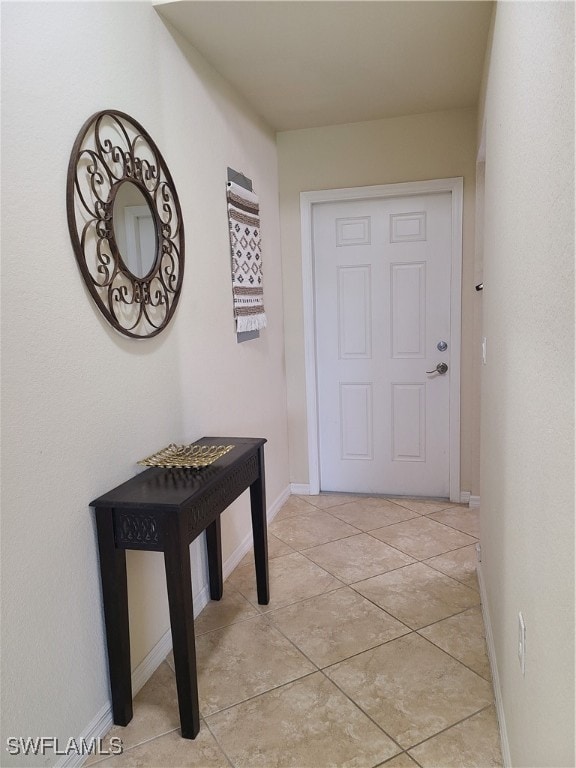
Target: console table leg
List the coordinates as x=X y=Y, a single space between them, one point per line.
x=259 y=531
x=214 y=549
x=115 y=601
x=179 y=584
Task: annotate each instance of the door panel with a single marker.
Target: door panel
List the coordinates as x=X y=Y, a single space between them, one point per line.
x=382 y=299
x=408 y=422
x=354 y=312
x=356 y=421
x=408 y=316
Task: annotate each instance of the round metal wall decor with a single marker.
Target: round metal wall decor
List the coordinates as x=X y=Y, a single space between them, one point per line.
x=125 y=223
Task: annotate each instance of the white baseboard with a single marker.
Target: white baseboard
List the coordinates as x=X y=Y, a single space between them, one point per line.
x=246 y=544
x=273 y=510
x=104 y=720
x=300 y=489
x=144 y=671
x=96 y=729
x=467 y=498
x=504 y=743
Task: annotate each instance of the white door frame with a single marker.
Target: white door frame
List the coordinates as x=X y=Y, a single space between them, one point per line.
x=307 y=201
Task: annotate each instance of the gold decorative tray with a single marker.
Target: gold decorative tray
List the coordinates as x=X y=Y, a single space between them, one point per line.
x=186 y=456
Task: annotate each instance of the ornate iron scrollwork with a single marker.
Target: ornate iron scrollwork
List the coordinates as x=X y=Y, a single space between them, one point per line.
x=111 y=150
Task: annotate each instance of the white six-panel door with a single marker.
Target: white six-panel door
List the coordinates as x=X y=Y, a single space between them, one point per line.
x=382 y=296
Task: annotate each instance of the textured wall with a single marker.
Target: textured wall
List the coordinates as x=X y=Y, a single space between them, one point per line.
x=527 y=469
x=430 y=146
x=81 y=404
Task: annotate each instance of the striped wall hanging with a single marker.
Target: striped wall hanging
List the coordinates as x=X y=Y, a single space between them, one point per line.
x=245 y=245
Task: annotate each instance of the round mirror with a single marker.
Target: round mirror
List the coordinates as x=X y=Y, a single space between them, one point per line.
x=125 y=223
x=134 y=229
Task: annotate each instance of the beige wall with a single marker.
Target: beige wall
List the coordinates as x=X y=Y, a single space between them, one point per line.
x=81 y=404
x=430 y=146
x=527 y=469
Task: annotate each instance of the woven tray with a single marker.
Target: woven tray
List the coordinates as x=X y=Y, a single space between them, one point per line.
x=186 y=456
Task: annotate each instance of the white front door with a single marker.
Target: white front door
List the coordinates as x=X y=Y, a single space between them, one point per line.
x=382 y=295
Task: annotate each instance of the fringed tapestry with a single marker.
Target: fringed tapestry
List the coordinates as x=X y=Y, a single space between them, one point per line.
x=244 y=223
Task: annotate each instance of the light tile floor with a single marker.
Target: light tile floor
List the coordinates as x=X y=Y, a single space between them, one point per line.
x=370 y=653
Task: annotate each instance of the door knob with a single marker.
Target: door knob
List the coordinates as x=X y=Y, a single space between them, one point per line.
x=440 y=368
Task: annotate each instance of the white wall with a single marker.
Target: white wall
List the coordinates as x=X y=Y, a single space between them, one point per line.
x=527 y=471
x=428 y=146
x=81 y=404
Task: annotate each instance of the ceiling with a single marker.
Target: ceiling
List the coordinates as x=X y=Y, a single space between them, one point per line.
x=304 y=63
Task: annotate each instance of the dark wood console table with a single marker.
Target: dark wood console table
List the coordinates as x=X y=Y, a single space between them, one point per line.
x=164 y=510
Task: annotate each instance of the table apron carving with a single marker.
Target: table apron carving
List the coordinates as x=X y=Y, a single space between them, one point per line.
x=219 y=498
x=133 y=530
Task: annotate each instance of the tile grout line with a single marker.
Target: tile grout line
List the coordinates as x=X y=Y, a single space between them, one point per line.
x=404 y=752
x=357 y=705
x=346 y=658
x=229 y=624
x=452 y=527
x=259 y=695
x=295 y=602
x=449 y=727
x=428 y=557
x=204 y=716
x=351 y=585
x=410 y=630
x=269 y=619
x=413 y=746
x=417 y=630
x=457 y=660
x=226 y=755
x=320 y=544
x=264 y=616
x=322 y=671
x=419 y=562
x=383 y=497
x=131 y=747
x=418 y=516
x=354 y=703
x=460 y=581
